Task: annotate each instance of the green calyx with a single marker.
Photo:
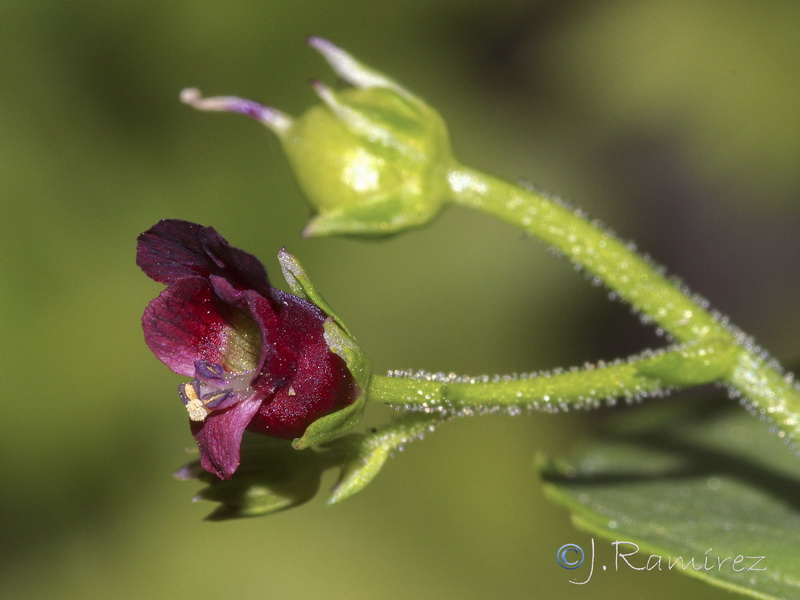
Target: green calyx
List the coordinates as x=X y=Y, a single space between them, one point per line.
x=273 y=476
x=343 y=344
x=371 y=161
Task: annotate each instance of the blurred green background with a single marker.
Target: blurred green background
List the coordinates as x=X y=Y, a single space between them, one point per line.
x=676 y=123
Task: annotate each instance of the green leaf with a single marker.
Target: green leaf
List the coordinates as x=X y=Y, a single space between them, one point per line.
x=703 y=484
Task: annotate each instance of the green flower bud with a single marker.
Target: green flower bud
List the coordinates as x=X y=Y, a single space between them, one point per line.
x=372 y=159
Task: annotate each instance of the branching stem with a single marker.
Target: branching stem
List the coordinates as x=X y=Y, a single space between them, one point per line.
x=708 y=349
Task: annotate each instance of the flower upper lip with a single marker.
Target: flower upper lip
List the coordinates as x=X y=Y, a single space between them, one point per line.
x=175 y=249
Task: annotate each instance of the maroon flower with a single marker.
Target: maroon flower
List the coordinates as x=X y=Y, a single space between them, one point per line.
x=257 y=355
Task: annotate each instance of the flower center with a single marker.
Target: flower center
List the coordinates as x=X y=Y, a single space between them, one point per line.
x=199 y=405
x=213 y=389
x=243 y=343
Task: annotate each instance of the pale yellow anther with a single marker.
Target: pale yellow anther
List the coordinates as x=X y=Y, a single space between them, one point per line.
x=197 y=411
x=195 y=407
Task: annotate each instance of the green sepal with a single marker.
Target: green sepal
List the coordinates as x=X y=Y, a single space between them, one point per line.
x=382 y=217
x=341 y=343
x=367 y=453
x=366 y=460
x=271 y=477
x=301 y=285
x=341 y=421
x=698 y=362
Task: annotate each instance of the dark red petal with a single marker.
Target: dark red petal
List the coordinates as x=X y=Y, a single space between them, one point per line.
x=310 y=380
x=288 y=325
x=313 y=393
x=185 y=323
x=220 y=436
x=173 y=249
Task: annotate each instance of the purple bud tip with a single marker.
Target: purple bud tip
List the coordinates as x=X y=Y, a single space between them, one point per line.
x=321 y=45
x=349 y=69
x=277 y=121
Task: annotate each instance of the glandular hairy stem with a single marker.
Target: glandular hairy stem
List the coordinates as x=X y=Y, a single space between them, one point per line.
x=752 y=377
x=638 y=377
x=595 y=250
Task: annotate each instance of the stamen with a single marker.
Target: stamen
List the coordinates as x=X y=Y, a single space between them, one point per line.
x=213 y=399
x=199 y=405
x=191 y=399
x=209 y=370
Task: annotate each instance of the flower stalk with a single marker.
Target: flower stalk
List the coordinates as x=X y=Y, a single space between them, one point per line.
x=650 y=374
x=633 y=278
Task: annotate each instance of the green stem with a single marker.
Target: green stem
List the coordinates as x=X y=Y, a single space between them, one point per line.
x=651 y=374
x=759 y=381
x=633 y=278
x=766 y=390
